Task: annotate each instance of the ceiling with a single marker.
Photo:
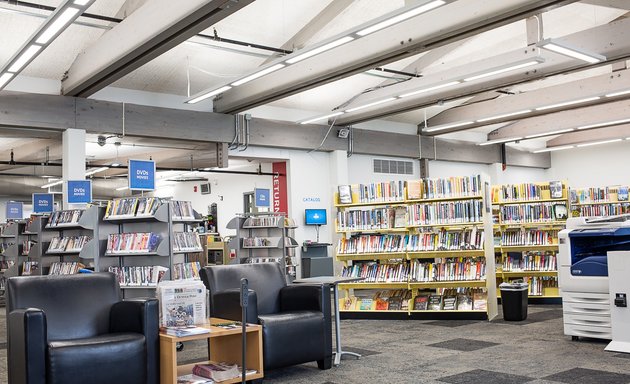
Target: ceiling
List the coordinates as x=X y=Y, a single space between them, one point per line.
x=202 y=63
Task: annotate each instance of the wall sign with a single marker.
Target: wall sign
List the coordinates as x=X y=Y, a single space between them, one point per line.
x=43 y=202
x=15 y=210
x=142 y=175
x=261 y=196
x=311 y=200
x=280 y=203
x=79 y=191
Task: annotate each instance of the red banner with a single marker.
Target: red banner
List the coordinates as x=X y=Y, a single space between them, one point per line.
x=280 y=203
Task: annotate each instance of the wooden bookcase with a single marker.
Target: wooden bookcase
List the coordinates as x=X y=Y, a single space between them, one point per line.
x=599 y=201
x=390 y=226
x=526 y=234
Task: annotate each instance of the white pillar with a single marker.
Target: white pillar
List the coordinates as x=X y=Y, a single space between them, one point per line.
x=338 y=176
x=73 y=161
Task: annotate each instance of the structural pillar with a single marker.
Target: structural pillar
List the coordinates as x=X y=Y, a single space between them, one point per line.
x=338 y=176
x=73 y=161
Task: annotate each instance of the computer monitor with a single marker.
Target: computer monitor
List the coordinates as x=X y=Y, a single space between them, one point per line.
x=315 y=217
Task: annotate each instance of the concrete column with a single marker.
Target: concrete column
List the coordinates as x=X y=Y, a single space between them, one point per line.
x=338 y=176
x=73 y=161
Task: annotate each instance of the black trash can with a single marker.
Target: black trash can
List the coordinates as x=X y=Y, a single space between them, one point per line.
x=514 y=301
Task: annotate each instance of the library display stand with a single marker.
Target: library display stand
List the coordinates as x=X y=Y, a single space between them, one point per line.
x=420 y=247
x=10 y=249
x=529 y=217
x=186 y=242
x=262 y=238
x=599 y=201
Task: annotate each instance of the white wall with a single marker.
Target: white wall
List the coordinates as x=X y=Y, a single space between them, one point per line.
x=361 y=170
x=600 y=165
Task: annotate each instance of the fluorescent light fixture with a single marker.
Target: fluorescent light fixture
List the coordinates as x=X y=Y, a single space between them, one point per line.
x=24 y=58
x=504 y=115
x=571 y=51
x=116 y=164
x=81 y=2
x=620 y=93
x=447 y=126
x=321 y=118
x=96 y=170
x=4 y=79
x=258 y=74
x=433 y=88
x=401 y=17
x=370 y=104
x=550 y=133
x=53 y=29
x=52 y=184
x=506 y=68
x=209 y=94
x=320 y=49
x=499 y=141
x=206 y=169
x=604 y=124
x=597 y=143
x=567 y=103
x=553 y=149
x=122 y=188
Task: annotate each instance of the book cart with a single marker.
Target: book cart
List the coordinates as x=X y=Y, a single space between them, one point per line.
x=263 y=238
x=529 y=217
x=420 y=246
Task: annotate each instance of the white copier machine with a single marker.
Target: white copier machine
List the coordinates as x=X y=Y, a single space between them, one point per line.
x=594 y=300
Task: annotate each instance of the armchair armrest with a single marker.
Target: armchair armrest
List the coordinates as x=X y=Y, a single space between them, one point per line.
x=140 y=316
x=26 y=347
x=301 y=297
x=227 y=305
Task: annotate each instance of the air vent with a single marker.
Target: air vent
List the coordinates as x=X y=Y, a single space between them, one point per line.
x=393 y=166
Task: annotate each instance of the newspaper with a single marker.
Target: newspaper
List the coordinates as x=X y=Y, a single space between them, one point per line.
x=182 y=303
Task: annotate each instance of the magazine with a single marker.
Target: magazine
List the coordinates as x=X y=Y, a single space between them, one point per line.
x=182 y=303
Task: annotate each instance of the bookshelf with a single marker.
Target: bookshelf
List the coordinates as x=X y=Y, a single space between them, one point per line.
x=10 y=249
x=528 y=219
x=416 y=239
x=599 y=201
x=263 y=238
x=186 y=242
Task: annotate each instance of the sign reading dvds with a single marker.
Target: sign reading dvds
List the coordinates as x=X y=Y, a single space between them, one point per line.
x=43 y=202
x=15 y=210
x=262 y=197
x=79 y=191
x=142 y=175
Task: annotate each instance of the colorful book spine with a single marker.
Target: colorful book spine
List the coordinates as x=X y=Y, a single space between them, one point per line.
x=450 y=212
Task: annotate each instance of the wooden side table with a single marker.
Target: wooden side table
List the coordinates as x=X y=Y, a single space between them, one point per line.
x=224 y=345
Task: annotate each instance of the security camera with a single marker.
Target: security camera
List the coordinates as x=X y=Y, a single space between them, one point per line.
x=101 y=140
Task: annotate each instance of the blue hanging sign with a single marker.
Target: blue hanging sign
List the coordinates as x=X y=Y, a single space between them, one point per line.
x=43 y=203
x=262 y=197
x=142 y=175
x=79 y=191
x=15 y=210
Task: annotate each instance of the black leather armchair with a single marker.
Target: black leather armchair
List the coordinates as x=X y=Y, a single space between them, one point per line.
x=75 y=329
x=295 y=318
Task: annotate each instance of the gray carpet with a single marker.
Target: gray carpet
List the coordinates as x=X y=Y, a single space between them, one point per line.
x=533 y=351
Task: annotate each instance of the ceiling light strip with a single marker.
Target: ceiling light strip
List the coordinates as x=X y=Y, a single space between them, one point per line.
x=553 y=149
x=204 y=96
x=258 y=74
x=447 y=126
x=604 y=124
x=571 y=51
x=320 y=49
x=597 y=143
x=401 y=17
x=567 y=103
x=52 y=184
x=500 y=141
x=620 y=93
x=505 y=68
x=550 y=133
x=433 y=88
x=370 y=104
x=504 y=115
x=321 y=118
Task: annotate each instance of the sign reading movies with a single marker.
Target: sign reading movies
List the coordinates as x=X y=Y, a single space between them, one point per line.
x=15 y=210
x=79 y=191
x=142 y=175
x=42 y=202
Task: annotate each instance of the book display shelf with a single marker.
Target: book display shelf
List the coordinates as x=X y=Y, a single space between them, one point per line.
x=599 y=201
x=527 y=221
x=419 y=247
x=10 y=249
x=185 y=240
x=263 y=238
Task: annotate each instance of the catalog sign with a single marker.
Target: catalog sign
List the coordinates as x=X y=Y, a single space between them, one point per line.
x=142 y=175
x=79 y=191
x=262 y=197
x=43 y=202
x=15 y=210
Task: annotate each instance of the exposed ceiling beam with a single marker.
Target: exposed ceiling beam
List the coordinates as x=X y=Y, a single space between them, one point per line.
x=620 y=4
x=314 y=26
x=449 y=23
x=591 y=136
x=609 y=40
x=584 y=89
x=126 y=47
x=563 y=120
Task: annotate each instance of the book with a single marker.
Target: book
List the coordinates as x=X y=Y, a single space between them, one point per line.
x=414 y=189
x=184 y=331
x=555 y=189
x=622 y=194
x=382 y=304
x=395 y=303
x=421 y=303
x=464 y=302
x=217 y=371
x=193 y=379
x=480 y=301
x=435 y=303
x=449 y=301
x=366 y=304
x=560 y=211
x=345 y=195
